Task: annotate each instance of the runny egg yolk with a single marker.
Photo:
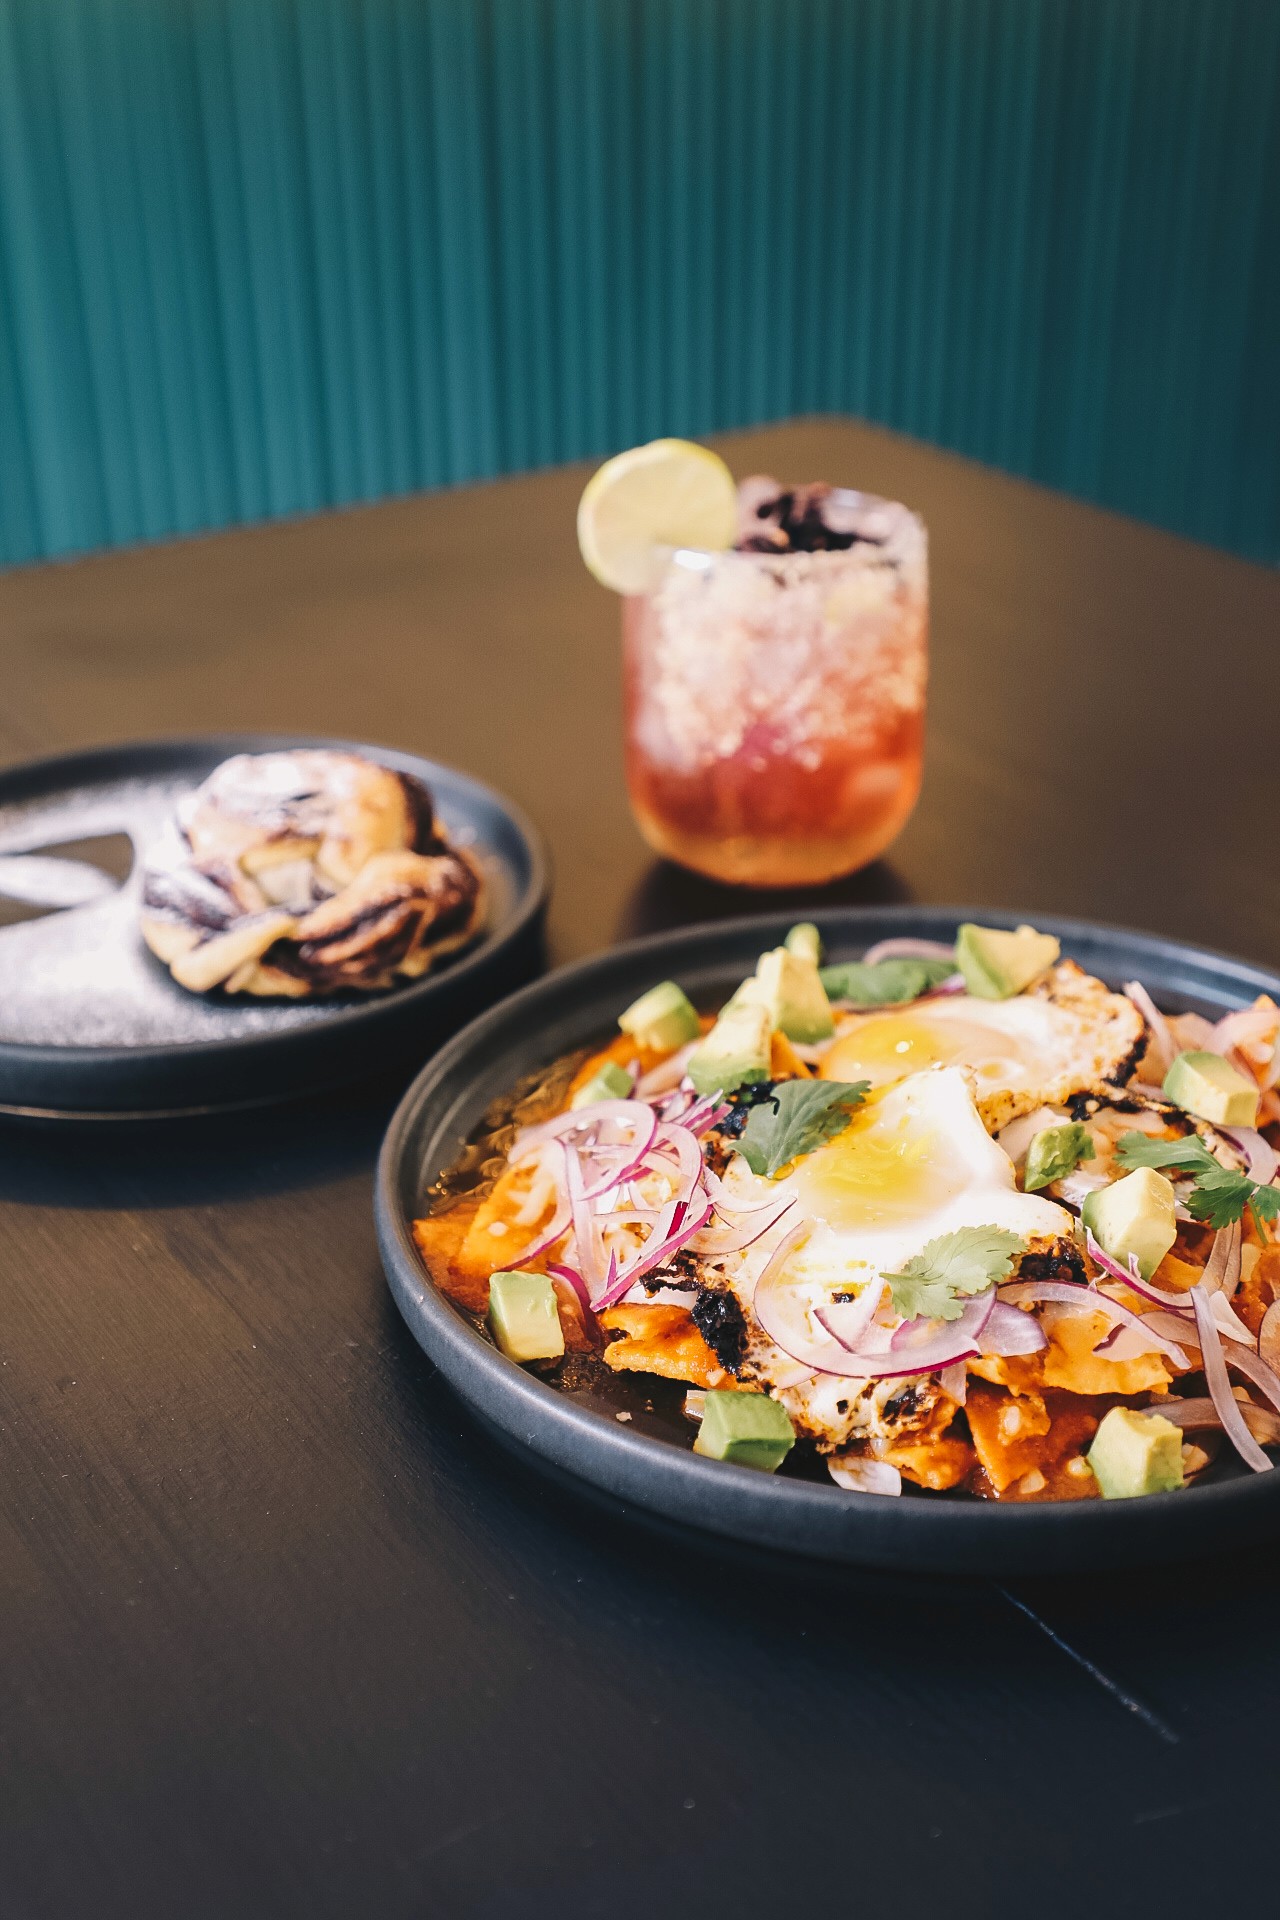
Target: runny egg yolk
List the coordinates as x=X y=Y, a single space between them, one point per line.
x=877 y=1172
x=887 y=1047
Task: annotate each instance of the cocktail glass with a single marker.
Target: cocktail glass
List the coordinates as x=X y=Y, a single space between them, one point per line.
x=774 y=701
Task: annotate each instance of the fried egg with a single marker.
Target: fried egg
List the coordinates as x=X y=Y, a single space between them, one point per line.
x=1070 y=1035
x=915 y=1162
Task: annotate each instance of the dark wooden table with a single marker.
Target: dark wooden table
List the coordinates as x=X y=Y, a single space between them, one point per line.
x=282 y=1632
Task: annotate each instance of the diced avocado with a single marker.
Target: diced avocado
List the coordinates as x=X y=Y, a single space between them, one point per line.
x=524 y=1316
x=885 y=983
x=1210 y=1087
x=806 y=941
x=1136 y=1453
x=796 y=998
x=661 y=1019
x=749 y=1429
x=1134 y=1215
x=996 y=964
x=748 y=994
x=1055 y=1152
x=609 y=1082
x=736 y=1049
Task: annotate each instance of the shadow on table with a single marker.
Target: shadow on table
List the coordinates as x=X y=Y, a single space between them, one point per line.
x=669 y=896
x=197 y=1159
x=1124 y=1640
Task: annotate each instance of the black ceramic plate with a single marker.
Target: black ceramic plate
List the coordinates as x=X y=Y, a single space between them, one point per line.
x=645 y=1460
x=92 y=1025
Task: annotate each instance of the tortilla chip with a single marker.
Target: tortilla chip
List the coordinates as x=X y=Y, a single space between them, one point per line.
x=1015 y=1436
x=662 y=1340
x=938 y=1464
x=439 y=1240
x=1069 y=1361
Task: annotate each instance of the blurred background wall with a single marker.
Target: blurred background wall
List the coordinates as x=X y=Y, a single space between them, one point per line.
x=263 y=256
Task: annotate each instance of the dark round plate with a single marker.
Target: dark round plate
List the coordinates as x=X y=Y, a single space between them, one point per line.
x=644 y=1459
x=93 y=1027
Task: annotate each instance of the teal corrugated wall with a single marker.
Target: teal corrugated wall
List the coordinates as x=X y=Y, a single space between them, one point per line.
x=260 y=256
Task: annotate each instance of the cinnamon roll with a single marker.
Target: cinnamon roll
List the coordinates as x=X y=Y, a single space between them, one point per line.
x=305 y=873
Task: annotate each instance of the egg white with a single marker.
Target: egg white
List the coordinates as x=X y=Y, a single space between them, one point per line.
x=1037 y=1049
x=914 y=1163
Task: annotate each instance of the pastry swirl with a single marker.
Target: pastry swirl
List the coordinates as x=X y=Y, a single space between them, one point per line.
x=304 y=873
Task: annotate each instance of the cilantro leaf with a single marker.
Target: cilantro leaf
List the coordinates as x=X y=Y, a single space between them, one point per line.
x=797 y=1117
x=1188 y=1155
x=1264 y=1204
x=886 y=984
x=1220 y=1195
x=953 y=1264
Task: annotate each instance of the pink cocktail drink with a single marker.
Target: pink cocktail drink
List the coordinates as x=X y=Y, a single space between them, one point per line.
x=775 y=693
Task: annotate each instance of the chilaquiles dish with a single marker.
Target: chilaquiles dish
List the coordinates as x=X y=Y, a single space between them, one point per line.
x=954 y=1217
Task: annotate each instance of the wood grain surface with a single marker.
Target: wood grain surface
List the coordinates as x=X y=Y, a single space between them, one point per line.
x=284 y=1632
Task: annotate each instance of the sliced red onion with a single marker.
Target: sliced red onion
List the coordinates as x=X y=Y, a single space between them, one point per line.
x=586 y=1241
x=847 y=1320
x=1010 y=1332
x=1260 y=1155
x=911 y=1351
x=954 y=1382
x=1269 y=1336
x=909 y=950
x=1192 y=1030
x=1133 y=1278
x=1251 y=1020
x=1236 y=1333
x=556 y=1231
x=1125 y=1343
x=1218 y=1382
x=623 y=1158
x=1254 y=1368
x=727 y=1207
x=1230 y=1323
x=667 y=1075
x=603 y=1174
x=686 y=1220
x=1074 y=1187
x=1063 y=1293
x=574 y=1280
x=1163 y=1040
x=1175 y=1326
x=1223 y=1041
x=1222 y=1271
x=734 y=1239
x=700 y=1123
x=615 y=1287
x=865 y=1476
x=688 y=1154
x=631 y=1114
x=1193 y=1416
x=958 y=1339
x=954 y=983
x=780 y=1322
